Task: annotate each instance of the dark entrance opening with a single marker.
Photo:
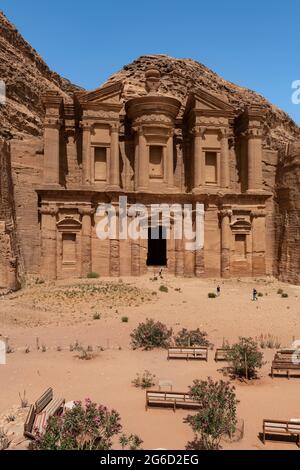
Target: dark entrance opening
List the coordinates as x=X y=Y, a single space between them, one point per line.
x=157 y=247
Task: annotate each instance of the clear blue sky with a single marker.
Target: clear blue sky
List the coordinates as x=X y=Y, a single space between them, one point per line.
x=252 y=43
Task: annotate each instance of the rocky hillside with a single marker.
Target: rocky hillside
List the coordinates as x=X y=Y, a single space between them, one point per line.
x=27 y=77
x=179 y=76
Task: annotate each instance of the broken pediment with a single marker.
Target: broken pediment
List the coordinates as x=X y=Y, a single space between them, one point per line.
x=105 y=96
x=202 y=102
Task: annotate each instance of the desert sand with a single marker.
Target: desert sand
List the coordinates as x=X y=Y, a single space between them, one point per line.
x=54 y=316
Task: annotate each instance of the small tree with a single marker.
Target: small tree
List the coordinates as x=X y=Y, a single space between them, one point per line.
x=84 y=427
x=217 y=414
x=189 y=338
x=245 y=358
x=150 y=335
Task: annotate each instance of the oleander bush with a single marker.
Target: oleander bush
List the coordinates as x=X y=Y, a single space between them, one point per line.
x=87 y=426
x=150 y=335
x=217 y=414
x=245 y=358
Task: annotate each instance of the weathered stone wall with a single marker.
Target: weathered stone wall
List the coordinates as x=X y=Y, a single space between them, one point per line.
x=287 y=218
x=10 y=262
x=27 y=164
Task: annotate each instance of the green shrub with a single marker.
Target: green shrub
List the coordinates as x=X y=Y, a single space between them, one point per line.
x=97 y=316
x=284 y=295
x=189 y=338
x=93 y=275
x=212 y=295
x=280 y=291
x=217 y=415
x=145 y=380
x=125 y=319
x=132 y=442
x=245 y=358
x=150 y=335
x=164 y=289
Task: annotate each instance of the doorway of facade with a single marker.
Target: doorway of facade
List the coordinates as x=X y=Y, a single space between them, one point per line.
x=157 y=247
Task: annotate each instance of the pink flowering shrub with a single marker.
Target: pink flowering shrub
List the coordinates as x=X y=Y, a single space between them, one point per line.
x=87 y=426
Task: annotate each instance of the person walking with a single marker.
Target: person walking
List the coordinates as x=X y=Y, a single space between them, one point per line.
x=254 y=294
x=218 y=291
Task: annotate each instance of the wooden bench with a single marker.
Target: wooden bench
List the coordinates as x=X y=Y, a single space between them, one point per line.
x=221 y=354
x=284 y=428
x=198 y=353
x=287 y=365
x=39 y=413
x=170 y=400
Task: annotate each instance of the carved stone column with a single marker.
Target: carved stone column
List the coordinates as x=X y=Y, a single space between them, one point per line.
x=49 y=242
x=258 y=242
x=52 y=150
x=225 y=216
x=254 y=159
x=179 y=250
x=114 y=173
x=199 y=253
x=86 y=152
x=143 y=163
x=170 y=160
x=86 y=238
x=198 y=159
x=225 y=169
x=114 y=256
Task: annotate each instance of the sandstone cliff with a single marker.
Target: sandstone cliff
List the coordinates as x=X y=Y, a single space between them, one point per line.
x=10 y=259
x=27 y=77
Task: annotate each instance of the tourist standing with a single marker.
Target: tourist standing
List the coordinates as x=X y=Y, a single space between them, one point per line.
x=254 y=294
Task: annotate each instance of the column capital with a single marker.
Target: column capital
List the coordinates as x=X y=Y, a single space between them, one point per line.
x=225 y=133
x=254 y=133
x=198 y=131
x=86 y=125
x=86 y=211
x=115 y=127
x=225 y=213
x=53 y=122
x=258 y=213
x=139 y=130
x=48 y=210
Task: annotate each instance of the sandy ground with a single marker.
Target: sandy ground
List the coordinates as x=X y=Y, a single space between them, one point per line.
x=59 y=314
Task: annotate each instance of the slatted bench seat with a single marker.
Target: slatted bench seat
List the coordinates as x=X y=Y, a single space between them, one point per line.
x=221 y=354
x=198 y=353
x=54 y=406
x=284 y=365
x=284 y=428
x=43 y=401
x=170 y=400
x=39 y=413
x=28 y=426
